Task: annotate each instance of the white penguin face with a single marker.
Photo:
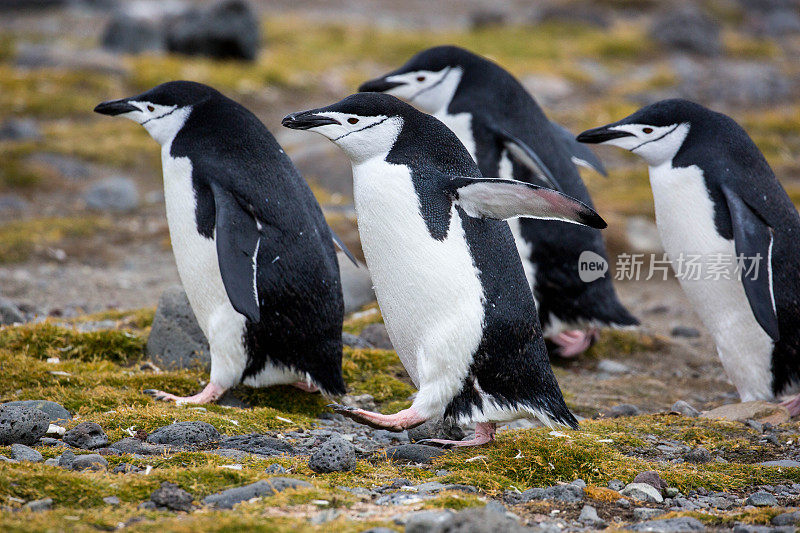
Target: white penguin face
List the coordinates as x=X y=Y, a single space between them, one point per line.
x=162 y=122
x=655 y=144
x=429 y=91
x=360 y=137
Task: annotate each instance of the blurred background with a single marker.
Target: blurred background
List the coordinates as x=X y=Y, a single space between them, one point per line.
x=82 y=223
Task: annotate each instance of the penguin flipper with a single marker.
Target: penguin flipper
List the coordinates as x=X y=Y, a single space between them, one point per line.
x=238 y=241
x=525 y=155
x=340 y=244
x=580 y=154
x=753 y=240
x=503 y=199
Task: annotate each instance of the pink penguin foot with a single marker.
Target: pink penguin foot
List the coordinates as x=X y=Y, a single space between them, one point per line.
x=484 y=434
x=305 y=387
x=574 y=342
x=792 y=405
x=211 y=393
x=407 y=418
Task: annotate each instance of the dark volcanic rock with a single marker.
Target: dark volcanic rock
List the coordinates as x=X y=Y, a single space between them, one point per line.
x=562 y=493
x=436 y=428
x=9 y=313
x=687 y=29
x=228 y=498
x=652 y=478
x=413 y=453
x=762 y=499
x=354 y=341
x=20 y=129
x=176 y=340
x=89 y=461
x=86 y=435
x=20 y=452
x=377 y=336
x=184 y=433
x=228 y=29
x=131 y=445
x=256 y=443
x=335 y=455
x=698 y=455
x=172 y=497
x=670 y=525
x=55 y=411
x=23 y=425
x=685 y=331
x=623 y=409
x=132 y=35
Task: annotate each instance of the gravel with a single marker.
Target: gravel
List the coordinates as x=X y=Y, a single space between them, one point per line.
x=86 y=435
x=335 y=455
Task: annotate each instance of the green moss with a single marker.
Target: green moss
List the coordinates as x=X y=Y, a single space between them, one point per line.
x=454 y=500
x=18 y=240
x=613 y=343
x=376 y=372
x=137 y=319
x=369 y=314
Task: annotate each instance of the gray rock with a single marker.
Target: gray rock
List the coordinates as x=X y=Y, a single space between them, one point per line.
x=51 y=462
x=413 y=453
x=785 y=463
x=586 y=14
x=257 y=443
x=427 y=521
x=20 y=452
x=356 y=284
x=90 y=461
x=685 y=332
x=69 y=167
x=623 y=409
x=750 y=528
x=480 y=520
x=379 y=530
x=176 y=340
x=698 y=455
x=147 y=506
x=132 y=445
x=132 y=35
x=376 y=335
x=86 y=435
x=563 y=493
x=787 y=519
x=687 y=29
x=436 y=428
x=670 y=525
x=36 y=506
x=761 y=499
x=228 y=29
x=646 y=513
x=354 y=341
x=335 y=455
x=184 y=434
x=642 y=492
x=779 y=22
x=486 y=18
x=10 y=313
x=23 y=425
x=172 y=497
x=66 y=459
x=55 y=411
x=685 y=409
x=612 y=367
x=115 y=194
x=228 y=498
x=13 y=204
x=111 y=500
x=20 y=129
x=590 y=517
x=616 y=484
x=652 y=478
x=275 y=469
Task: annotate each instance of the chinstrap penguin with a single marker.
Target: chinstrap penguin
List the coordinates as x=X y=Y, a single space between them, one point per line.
x=716 y=196
x=448 y=279
x=252 y=247
x=509 y=136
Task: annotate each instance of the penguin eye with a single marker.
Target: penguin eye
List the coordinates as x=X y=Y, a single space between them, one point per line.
x=647 y=130
x=352 y=120
x=151 y=108
x=420 y=78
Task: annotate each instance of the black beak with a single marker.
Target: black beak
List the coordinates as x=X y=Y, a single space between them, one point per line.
x=305 y=120
x=115 y=107
x=378 y=85
x=601 y=135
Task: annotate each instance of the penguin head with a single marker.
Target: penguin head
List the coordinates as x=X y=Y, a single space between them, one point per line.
x=163 y=109
x=655 y=132
x=363 y=125
x=428 y=80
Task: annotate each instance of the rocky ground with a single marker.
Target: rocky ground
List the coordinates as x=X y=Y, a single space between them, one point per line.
x=85 y=261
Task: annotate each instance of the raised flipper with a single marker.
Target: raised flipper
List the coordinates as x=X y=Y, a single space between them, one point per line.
x=503 y=199
x=525 y=155
x=238 y=240
x=753 y=239
x=579 y=153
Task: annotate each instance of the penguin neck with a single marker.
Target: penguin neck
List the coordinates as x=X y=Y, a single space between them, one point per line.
x=165 y=128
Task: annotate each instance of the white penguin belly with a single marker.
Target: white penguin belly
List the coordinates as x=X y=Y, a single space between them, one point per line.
x=428 y=290
x=685 y=219
x=198 y=268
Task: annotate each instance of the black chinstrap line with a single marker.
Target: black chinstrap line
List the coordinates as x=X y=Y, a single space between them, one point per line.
x=362 y=129
x=160 y=116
